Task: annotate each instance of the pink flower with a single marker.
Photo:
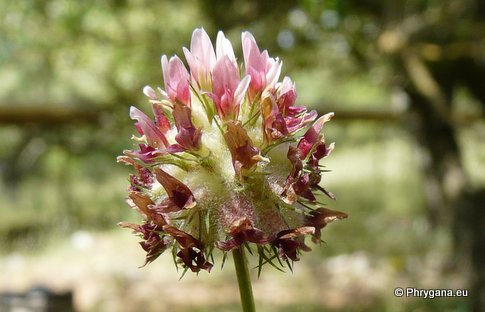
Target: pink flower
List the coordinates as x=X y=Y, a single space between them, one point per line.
x=161 y=121
x=228 y=89
x=313 y=136
x=224 y=48
x=146 y=153
x=176 y=80
x=146 y=127
x=188 y=137
x=310 y=149
x=201 y=58
x=209 y=174
x=264 y=71
x=286 y=94
x=274 y=124
x=295 y=117
x=244 y=154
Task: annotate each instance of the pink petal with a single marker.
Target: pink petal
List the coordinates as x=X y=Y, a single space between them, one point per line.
x=241 y=89
x=296 y=123
x=188 y=136
x=251 y=51
x=146 y=153
x=224 y=47
x=176 y=78
x=273 y=73
x=312 y=136
x=161 y=121
x=201 y=58
x=225 y=84
x=244 y=154
x=225 y=76
x=155 y=137
x=274 y=124
x=201 y=47
x=255 y=63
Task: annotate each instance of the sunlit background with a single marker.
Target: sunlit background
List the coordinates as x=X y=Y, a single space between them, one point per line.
x=406 y=80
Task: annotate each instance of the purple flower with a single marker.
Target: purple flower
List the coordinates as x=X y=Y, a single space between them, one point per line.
x=209 y=174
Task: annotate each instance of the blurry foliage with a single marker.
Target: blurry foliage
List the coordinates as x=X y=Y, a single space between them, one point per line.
x=97 y=55
x=77 y=52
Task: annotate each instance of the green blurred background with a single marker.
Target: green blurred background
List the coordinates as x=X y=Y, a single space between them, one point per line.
x=406 y=80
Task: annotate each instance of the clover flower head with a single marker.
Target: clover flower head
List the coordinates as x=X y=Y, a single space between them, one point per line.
x=227 y=159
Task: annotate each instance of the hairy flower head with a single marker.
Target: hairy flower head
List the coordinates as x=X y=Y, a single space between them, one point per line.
x=227 y=159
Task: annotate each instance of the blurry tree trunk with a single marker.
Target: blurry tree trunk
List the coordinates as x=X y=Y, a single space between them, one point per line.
x=469 y=229
x=472 y=224
x=451 y=201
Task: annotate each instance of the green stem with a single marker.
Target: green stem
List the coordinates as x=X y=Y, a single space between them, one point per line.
x=243 y=280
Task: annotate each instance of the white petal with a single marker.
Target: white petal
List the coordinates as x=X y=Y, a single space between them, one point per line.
x=162 y=92
x=164 y=62
x=224 y=47
x=241 y=89
x=149 y=92
x=274 y=73
x=330 y=148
